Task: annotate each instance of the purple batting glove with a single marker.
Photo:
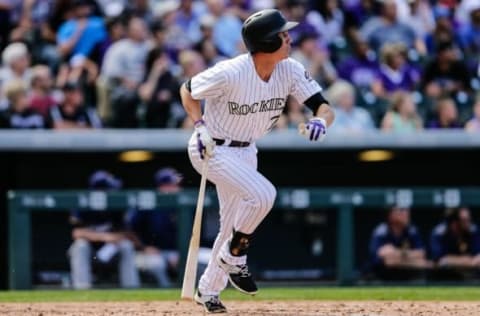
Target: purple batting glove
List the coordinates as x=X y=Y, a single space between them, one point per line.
x=316 y=129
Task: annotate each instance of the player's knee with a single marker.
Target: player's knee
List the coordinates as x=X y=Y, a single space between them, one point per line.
x=126 y=247
x=80 y=246
x=268 y=195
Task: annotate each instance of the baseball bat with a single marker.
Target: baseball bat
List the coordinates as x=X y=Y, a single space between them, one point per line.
x=190 y=274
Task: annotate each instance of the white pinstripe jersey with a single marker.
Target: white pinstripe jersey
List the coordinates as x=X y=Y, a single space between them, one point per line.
x=241 y=106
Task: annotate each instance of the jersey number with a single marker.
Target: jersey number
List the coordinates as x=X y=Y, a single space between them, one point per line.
x=273 y=120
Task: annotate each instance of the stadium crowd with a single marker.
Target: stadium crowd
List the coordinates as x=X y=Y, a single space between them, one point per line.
x=394 y=65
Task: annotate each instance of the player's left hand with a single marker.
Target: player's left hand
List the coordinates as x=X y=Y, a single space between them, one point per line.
x=315 y=129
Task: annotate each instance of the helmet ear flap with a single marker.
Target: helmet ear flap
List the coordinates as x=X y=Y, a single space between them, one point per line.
x=270 y=44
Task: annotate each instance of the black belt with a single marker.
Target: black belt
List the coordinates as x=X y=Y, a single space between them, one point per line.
x=233 y=143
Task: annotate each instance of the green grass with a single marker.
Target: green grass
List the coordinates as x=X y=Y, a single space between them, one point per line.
x=294 y=293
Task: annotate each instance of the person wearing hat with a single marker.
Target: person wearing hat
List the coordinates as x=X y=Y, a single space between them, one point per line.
x=154 y=232
x=100 y=241
x=72 y=112
x=396 y=248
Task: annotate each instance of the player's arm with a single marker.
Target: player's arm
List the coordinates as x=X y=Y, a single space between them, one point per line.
x=192 y=106
x=320 y=107
x=205 y=143
x=316 y=128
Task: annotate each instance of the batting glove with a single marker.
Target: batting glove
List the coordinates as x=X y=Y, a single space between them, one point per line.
x=315 y=129
x=205 y=143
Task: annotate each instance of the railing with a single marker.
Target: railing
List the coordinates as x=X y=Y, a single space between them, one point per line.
x=22 y=203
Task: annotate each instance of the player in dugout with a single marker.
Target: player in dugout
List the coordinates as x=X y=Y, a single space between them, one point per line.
x=397 y=251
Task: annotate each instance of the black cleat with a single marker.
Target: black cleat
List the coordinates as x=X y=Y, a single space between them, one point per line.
x=211 y=303
x=239 y=277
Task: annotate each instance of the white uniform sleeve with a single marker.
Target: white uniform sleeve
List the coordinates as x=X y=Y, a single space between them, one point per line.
x=302 y=86
x=210 y=83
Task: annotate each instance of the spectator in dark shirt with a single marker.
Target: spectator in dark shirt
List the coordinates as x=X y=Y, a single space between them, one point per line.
x=455 y=243
x=72 y=113
x=19 y=114
x=101 y=233
x=155 y=233
x=396 y=245
x=446 y=74
x=159 y=92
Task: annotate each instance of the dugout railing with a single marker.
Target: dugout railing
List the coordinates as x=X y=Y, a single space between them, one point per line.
x=21 y=204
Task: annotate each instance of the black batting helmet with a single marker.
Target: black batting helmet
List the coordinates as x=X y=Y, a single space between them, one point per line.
x=260 y=30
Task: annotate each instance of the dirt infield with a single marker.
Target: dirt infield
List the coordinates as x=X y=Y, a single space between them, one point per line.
x=297 y=308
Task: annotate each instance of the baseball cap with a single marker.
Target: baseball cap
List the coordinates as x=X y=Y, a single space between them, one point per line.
x=167 y=176
x=102 y=179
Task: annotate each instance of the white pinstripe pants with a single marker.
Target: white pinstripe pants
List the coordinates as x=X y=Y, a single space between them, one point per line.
x=245 y=198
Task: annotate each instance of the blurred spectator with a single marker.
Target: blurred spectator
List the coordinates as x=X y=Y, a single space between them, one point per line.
x=396 y=248
x=456 y=241
x=33 y=28
x=296 y=10
x=328 y=19
x=395 y=73
x=386 y=28
x=78 y=37
x=41 y=94
x=295 y=113
x=19 y=114
x=403 y=116
x=446 y=74
x=72 y=113
x=155 y=231
x=356 y=13
x=124 y=70
x=227 y=28
x=101 y=235
x=348 y=117
x=361 y=67
x=469 y=35
x=188 y=18
x=241 y=8
x=444 y=31
x=314 y=59
x=16 y=66
x=115 y=32
x=159 y=91
x=175 y=37
x=191 y=63
x=473 y=125
x=144 y=9
x=206 y=45
x=112 y=8
x=446 y=115
x=420 y=18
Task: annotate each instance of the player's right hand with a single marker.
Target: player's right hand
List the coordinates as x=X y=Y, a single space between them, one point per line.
x=205 y=142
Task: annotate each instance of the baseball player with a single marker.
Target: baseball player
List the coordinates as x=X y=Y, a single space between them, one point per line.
x=244 y=99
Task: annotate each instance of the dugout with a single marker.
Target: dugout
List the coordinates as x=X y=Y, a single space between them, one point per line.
x=53 y=161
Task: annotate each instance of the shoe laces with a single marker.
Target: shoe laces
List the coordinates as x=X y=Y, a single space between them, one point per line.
x=244 y=271
x=215 y=300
